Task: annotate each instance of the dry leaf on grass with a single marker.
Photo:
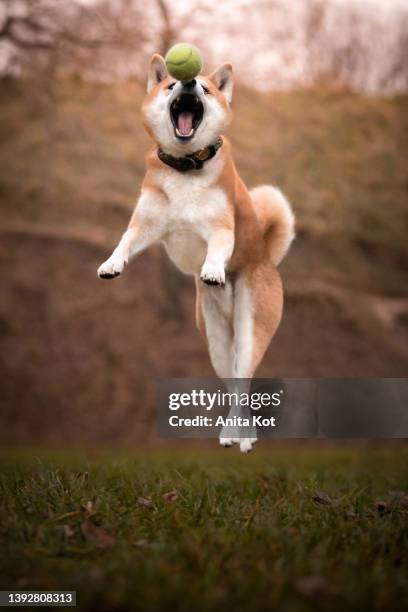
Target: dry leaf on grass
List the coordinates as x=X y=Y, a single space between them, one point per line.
x=100 y=536
x=322 y=498
x=399 y=499
x=382 y=507
x=314 y=586
x=89 y=507
x=144 y=501
x=68 y=531
x=170 y=496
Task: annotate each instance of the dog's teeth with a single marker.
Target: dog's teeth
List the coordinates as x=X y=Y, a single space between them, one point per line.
x=184 y=135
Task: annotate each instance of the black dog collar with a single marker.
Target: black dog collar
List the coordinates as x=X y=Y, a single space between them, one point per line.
x=195 y=161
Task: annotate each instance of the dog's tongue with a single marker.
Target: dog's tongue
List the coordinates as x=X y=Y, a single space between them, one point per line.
x=185 y=123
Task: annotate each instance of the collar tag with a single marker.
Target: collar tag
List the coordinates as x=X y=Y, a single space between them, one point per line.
x=203 y=154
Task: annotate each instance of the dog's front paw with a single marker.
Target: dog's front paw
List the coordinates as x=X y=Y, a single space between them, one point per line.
x=212 y=274
x=111 y=267
x=247 y=444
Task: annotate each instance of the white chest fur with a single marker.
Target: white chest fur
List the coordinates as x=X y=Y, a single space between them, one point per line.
x=194 y=204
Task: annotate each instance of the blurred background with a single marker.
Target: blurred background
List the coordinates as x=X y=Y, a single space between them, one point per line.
x=320 y=109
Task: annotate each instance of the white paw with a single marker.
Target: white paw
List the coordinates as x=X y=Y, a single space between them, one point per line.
x=229 y=435
x=246 y=444
x=227 y=442
x=212 y=274
x=111 y=267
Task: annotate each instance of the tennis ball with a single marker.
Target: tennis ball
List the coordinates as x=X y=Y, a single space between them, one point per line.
x=183 y=61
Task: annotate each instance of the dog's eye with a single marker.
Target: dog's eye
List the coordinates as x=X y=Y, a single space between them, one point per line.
x=171 y=85
x=205 y=89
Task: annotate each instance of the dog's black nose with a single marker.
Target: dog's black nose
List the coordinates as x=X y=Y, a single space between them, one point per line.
x=190 y=84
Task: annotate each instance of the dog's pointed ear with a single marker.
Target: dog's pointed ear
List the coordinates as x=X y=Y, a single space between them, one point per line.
x=223 y=79
x=157 y=71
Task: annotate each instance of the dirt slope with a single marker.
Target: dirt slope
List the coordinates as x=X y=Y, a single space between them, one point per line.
x=79 y=356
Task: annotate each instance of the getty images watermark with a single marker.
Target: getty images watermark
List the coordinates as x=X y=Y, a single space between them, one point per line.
x=283 y=408
x=243 y=408
x=197 y=408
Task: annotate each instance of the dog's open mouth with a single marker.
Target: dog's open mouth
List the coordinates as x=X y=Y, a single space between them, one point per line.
x=186 y=113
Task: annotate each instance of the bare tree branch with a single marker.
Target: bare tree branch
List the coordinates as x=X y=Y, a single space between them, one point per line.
x=70 y=34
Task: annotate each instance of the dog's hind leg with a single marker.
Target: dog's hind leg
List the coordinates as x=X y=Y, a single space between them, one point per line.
x=238 y=322
x=214 y=319
x=214 y=315
x=257 y=312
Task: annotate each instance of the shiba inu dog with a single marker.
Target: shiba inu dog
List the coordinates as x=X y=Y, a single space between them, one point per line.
x=194 y=202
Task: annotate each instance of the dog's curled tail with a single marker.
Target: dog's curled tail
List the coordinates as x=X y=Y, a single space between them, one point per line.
x=276 y=218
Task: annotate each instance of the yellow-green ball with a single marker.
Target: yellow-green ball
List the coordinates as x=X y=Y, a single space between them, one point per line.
x=183 y=61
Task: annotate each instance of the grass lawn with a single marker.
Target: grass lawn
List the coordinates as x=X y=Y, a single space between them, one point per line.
x=289 y=527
